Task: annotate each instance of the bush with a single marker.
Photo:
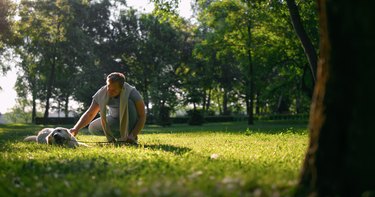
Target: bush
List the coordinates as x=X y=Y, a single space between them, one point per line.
x=180 y=120
x=195 y=117
x=283 y=117
x=222 y=118
x=164 y=118
x=56 y=120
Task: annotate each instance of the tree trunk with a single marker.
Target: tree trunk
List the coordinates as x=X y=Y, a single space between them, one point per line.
x=250 y=75
x=33 y=114
x=305 y=87
x=303 y=37
x=225 y=102
x=218 y=102
x=66 y=106
x=257 y=104
x=145 y=94
x=340 y=158
x=298 y=103
x=50 y=83
x=204 y=98
x=282 y=105
x=208 y=102
x=58 y=108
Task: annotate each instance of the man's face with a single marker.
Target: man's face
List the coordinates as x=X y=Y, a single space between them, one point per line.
x=113 y=88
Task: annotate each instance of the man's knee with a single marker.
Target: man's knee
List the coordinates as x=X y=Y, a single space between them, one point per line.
x=93 y=129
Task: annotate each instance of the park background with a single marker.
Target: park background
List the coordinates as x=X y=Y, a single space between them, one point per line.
x=228 y=60
x=233 y=57
x=229 y=65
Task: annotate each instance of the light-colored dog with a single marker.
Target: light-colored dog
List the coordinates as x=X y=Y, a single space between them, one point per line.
x=55 y=136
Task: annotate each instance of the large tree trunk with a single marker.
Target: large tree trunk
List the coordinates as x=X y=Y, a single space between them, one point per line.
x=340 y=159
x=307 y=45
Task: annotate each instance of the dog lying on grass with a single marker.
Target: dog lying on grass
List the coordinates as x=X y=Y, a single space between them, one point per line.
x=55 y=136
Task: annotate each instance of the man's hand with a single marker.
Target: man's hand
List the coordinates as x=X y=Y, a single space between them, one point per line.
x=74 y=131
x=130 y=139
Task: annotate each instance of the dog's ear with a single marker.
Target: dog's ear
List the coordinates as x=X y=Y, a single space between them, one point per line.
x=49 y=139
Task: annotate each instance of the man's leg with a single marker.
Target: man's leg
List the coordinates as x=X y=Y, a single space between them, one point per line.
x=133 y=115
x=96 y=128
x=133 y=119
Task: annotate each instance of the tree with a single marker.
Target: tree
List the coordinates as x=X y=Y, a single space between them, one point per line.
x=59 y=43
x=29 y=81
x=303 y=36
x=19 y=113
x=5 y=31
x=91 y=42
x=339 y=160
x=42 y=29
x=161 y=46
x=222 y=38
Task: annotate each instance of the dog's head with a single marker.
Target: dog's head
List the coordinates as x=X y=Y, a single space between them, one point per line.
x=62 y=136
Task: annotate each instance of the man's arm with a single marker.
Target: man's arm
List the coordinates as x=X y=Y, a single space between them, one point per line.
x=140 y=107
x=86 y=118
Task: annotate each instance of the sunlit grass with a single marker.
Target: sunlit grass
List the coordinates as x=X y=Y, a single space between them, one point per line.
x=223 y=159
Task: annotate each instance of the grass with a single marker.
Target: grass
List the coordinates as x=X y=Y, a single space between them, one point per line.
x=221 y=159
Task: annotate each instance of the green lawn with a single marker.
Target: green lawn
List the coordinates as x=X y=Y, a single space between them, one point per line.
x=221 y=159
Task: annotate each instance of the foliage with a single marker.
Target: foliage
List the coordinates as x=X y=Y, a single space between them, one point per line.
x=195 y=117
x=163 y=117
x=277 y=56
x=19 y=113
x=6 y=14
x=67 y=47
x=212 y=160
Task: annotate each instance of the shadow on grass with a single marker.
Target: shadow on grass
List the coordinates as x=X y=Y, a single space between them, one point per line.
x=163 y=147
x=266 y=127
x=167 y=148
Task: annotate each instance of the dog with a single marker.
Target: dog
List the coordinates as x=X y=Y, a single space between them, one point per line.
x=55 y=136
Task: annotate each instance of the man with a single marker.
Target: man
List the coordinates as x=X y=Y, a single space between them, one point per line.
x=126 y=111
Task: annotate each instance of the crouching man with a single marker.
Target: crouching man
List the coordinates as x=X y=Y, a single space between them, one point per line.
x=126 y=111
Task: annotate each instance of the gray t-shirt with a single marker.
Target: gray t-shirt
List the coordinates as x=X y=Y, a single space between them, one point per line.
x=114 y=103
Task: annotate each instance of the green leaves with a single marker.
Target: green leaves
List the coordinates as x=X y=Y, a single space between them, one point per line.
x=67 y=46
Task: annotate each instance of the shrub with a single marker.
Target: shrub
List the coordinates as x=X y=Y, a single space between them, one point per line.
x=195 y=117
x=164 y=118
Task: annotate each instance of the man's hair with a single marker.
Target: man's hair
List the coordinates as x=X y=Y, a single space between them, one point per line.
x=116 y=77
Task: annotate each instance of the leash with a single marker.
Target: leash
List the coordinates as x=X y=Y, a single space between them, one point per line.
x=97 y=142
x=101 y=142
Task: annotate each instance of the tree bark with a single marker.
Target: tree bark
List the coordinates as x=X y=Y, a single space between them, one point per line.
x=50 y=84
x=33 y=113
x=66 y=106
x=340 y=158
x=208 y=102
x=250 y=75
x=225 y=102
x=307 y=45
